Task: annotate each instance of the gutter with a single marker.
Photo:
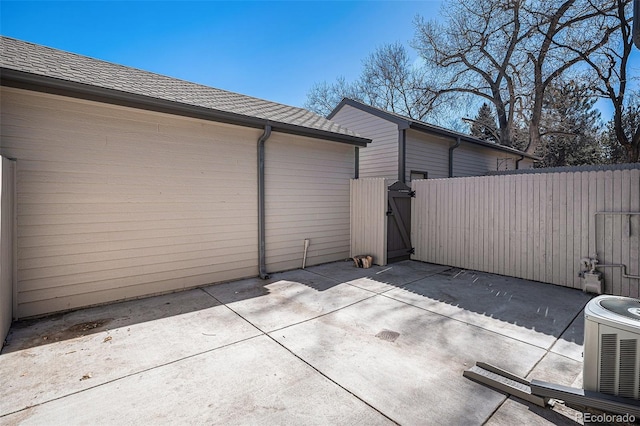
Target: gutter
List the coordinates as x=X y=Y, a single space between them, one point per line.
x=356 y=172
x=405 y=122
x=457 y=144
x=40 y=83
x=262 y=264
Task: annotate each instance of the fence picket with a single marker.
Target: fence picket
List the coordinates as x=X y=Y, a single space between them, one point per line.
x=532 y=226
x=625 y=198
x=576 y=223
x=634 y=241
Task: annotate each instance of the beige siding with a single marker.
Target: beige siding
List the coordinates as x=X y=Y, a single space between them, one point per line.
x=430 y=153
x=307 y=197
x=533 y=226
x=427 y=153
x=380 y=158
x=369 y=219
x=7 y=182
x=526 y=163
x=473 y=160
x=116 y=203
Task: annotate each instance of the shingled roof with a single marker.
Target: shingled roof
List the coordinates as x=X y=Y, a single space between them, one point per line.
x=406 y=122
x=29 y=65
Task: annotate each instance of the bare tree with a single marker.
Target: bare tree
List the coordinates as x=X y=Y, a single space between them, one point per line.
x=388 y=81
x=323 y=97
x=609 y=67
x=478 y=47
x=615 y=152
x=563 y=34
x=510 y=52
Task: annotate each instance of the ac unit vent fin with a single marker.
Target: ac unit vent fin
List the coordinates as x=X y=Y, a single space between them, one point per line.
x=627 y=376
x=608 y=349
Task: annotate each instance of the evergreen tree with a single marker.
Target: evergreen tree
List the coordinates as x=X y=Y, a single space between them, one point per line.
x=630 y=123
x=570 y=132
x=484 y=125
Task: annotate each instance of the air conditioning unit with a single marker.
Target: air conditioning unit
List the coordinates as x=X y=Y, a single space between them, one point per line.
x=612 y=346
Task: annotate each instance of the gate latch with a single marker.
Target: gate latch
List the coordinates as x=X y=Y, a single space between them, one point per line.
x=412 y=194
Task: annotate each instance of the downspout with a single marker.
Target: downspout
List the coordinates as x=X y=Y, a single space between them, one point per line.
x=356 y=173
x=402 y=155
x=457 y=144
x=518 y=162
x=262 y=268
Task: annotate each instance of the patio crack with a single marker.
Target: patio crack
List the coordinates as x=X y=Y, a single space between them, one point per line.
x=548 y=351
x=268 y=335
x=135 y=373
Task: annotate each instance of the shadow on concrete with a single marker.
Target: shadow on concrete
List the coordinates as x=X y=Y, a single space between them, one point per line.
x=249 y=288
x=503 y=302
x=31 y=333
x=515 y=408
x=545 y=308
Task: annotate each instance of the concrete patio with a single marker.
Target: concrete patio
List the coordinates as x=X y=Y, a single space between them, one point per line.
x=331 y=344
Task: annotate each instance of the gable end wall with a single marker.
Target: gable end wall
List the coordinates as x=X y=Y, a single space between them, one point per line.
x=380 y=157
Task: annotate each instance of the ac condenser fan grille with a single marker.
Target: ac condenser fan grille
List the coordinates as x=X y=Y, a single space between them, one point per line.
x=618 y=368
x=608 y=363
x=628 y=349
x=612 y=346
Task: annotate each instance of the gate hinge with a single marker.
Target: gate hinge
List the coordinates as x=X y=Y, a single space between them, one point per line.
x=412 y=251
x=389 y=213
x=412 y=194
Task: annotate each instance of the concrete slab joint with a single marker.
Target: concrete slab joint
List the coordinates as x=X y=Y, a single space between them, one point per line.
x=329 y=344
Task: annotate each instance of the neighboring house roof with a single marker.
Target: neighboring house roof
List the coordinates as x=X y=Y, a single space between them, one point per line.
x=409 y=123
x=36 y=67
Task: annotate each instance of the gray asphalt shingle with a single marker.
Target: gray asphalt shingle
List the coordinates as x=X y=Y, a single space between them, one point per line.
x=45 y=61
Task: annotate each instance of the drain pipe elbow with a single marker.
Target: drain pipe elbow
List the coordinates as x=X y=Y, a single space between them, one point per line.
x=518 y=162
x=262 y=268
x=457 y=144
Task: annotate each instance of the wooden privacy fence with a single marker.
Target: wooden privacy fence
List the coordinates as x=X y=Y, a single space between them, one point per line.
x=369 y=219
x=533 y=226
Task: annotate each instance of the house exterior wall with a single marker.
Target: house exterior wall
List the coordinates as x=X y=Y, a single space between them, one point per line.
x=473 y=160
x=380 y=158
x=427 y=153
x=307 y=197
x=424 y=152
x=526 y=163
x=7 y=182
x=430 y=153
x=116 y=203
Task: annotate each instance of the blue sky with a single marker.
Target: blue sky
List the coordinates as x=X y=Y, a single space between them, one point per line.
x=270 y=50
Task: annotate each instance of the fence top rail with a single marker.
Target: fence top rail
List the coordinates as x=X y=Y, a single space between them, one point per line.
x=570 y=169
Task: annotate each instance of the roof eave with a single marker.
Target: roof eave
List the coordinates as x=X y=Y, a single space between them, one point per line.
x=416 y=125
x=24 y=80
x=402 y=123
x=465 y=138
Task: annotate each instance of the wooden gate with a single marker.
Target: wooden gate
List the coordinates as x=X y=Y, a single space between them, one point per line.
x=399 y=222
